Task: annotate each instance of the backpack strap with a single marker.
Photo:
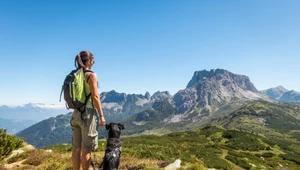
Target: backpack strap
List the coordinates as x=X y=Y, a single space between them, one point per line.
x=88 y=96
x=90 y=71
x=62 y=89
x=85 y=102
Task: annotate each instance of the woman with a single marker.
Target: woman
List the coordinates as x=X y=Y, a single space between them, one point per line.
x=84 y=126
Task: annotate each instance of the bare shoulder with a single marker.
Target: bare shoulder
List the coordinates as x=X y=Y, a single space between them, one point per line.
x=91 y=77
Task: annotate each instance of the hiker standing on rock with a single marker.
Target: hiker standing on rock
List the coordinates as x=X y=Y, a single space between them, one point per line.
x=84 y=122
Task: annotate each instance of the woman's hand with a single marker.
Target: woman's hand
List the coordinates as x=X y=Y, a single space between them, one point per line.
x=102 y=121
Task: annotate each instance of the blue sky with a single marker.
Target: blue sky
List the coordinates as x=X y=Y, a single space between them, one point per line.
x=149 y=45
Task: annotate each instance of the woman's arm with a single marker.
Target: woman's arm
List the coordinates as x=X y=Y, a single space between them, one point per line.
x=93 y=82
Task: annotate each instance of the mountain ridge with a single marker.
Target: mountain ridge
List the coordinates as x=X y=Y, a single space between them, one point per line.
x=199 y=104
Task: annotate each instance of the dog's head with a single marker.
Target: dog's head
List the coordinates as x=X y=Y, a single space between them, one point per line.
x=114 y=129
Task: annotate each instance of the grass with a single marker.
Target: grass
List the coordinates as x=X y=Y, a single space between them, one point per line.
x=209 y=147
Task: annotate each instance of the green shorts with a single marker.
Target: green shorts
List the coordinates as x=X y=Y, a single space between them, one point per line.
x=84 y=129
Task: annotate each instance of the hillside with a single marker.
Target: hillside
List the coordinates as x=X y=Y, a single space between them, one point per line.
x=208 y=95
x=48 y=132
x=209 y=147
x=273 y=120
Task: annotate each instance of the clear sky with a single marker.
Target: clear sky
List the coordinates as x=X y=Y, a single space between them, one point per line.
x=145 y=45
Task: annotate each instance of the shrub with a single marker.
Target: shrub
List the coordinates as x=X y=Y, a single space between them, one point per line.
x=37 y=157
x=268 y=154
x=55 y=165
x=195 y=166
x=241 y=141
x=18 y=157
x=241 y=162
x=291 y=157
x=254 y=157
x=8 y=143
x=211 y=159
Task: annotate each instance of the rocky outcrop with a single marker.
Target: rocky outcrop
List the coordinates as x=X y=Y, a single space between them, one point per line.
x=223 y=76
x=147 y=95
x=115 y=97
x=161 y=95
x=214 y=87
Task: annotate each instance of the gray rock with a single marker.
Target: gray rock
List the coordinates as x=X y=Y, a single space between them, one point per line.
x=147 y=95
x=161 y=95
x=214 y=87
x=174 y=166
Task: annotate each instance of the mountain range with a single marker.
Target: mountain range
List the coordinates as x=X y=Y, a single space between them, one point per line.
x=210 y=97
x=31 y=111
x=117 y=106
x=17 y=118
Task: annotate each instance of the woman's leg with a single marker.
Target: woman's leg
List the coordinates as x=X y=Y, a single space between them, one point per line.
x=76 y=140
x=76 y=158
x=86 y=159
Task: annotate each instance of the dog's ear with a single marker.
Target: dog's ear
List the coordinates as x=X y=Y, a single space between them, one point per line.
x=107 y=126
x=121 y=127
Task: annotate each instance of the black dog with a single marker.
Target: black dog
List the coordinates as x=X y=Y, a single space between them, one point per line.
x=113 y=150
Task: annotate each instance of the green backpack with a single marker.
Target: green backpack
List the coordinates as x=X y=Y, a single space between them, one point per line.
x=74 y=90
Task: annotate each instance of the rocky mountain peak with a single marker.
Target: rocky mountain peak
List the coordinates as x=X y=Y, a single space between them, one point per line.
x=161 y=95
x=281 y=88
x=223 y=76
x=147 y=95
x=216 y=86
x=112 y=96
x=204 y=74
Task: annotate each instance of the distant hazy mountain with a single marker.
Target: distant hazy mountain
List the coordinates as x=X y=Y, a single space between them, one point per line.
x=281 y=94
x=31 y=111
x=291 y=96
x=275 y=92
x=16 y=125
